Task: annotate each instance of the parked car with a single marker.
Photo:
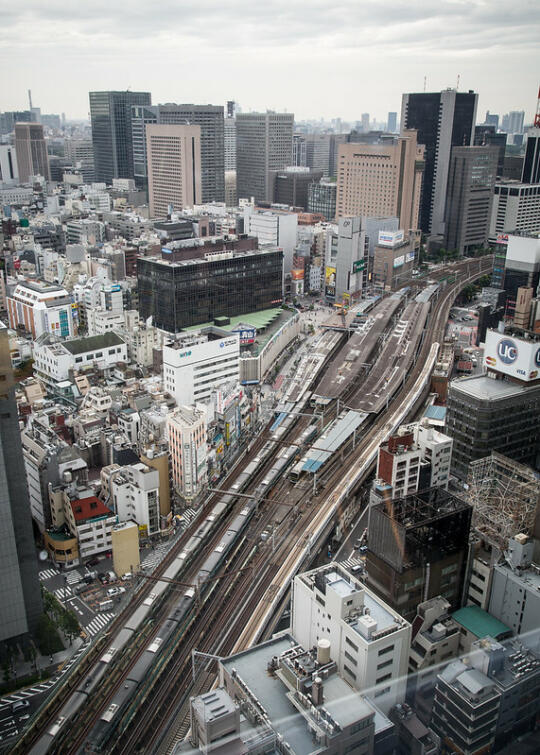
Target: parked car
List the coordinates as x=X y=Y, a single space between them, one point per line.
x=93 y=562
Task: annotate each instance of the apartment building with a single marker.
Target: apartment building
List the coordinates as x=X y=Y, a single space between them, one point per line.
x=186 y=429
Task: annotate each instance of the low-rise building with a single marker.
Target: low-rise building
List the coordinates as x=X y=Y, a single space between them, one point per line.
x=475 y=624
x=368 y=640
x=41 y=308
x=125 y=548
x=135 y=496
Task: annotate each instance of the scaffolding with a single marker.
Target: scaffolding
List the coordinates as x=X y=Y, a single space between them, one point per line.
x=505 y=497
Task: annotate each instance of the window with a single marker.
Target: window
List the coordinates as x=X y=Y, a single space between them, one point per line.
x=350 y=658
x=320 y=600
x=384 y=664
x=351 y=644
x=348 y=670
x=386 y=650
x=384 y=678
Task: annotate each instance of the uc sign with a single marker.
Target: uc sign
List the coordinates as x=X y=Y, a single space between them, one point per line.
x=507 y=351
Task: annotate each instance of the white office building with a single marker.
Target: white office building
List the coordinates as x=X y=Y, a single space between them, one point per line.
x=516 y=207
x=135 y=496
x=195 y=365
x=273 y=227
x=366 y=638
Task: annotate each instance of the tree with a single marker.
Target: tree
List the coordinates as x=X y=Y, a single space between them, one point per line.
x=70 y=625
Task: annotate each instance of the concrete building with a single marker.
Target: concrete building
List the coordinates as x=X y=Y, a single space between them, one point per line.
x=41 y=308
x=125 y=548
x=174 y=167
x=521 y=265
x=31 y=149
x=531 y=164
x=195 y=285
x=81 y=154
x=211 y=122
x=399 y=463
x=135 y=496
x=141 y=116
x=394 y=258
x=350 y=262
x=110 y=114
x=368 y=640
x=89 y=520
x=382 y=179
x=54 y=361
x=186 y=430
x=263 y=145
x=515 y=589
x=9 y=171
x=156 y=455
x=443 y=120
x=478 y=407
x=471 y=180
x=516 y=207
x=19 y=583
x=230 y=144
x=194 y=366
x=486 y=701
x=417 y=549
x=273 y=227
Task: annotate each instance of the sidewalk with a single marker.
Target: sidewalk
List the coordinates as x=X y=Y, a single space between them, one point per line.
x=57 y=664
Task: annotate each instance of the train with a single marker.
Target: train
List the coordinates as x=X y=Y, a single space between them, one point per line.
x=177 y=617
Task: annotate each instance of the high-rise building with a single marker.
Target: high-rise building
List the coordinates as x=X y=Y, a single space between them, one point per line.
x=19 y=584
x=492 y=119
x=478 y=407
x=141 y=116
x=31 y=148
x=487 y=136
x=515 y=121
x=383 y=179
x=110 y=113
x=9 y=172
x=186 y=429
x=317 y=155
x=322 y=199
x=391 y=124
x=292 y=184
x=263 y=145
x=211 y=121
x=516 y=207
x=365 y=122
x=443 y=120
x=471 y=179
x=11 y=117
x=174 y=167
x=229 y=144
x=531 y=164
x=81 y=153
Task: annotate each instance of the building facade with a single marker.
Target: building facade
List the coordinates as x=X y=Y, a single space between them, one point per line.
x=443 y=120
x=471 y=180
x=41 y=308
x=194 y=291
x=174 y=167
x=381 y=179
x=194 y=366
x=263 y=145
x=31 y=149
x=186 y=430
x=110 y=115
x=322 y=199
x=516 y=207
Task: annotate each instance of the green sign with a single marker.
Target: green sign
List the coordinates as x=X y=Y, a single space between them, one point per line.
x=358 y=266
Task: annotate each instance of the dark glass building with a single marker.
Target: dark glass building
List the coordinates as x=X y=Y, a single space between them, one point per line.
x=194 y=285
x=110 y=113
x=292 y=186
x=443 y=120
x=487 y=136
x=20 y=592
x=531 y=163
x=322 y=199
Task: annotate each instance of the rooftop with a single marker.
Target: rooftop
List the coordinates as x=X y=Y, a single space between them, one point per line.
x=486 y=389
x=89 y=508
x=480 y=623
x=91 y=343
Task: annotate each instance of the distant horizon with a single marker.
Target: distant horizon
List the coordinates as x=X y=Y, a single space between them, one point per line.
x=316 y=59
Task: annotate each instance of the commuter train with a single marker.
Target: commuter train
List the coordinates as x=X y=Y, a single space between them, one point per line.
x=176 y=619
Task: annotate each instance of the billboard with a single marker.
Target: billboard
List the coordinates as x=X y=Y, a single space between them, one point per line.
x=409 y=257
x=247 y=334
x=399 y=261
x=330 y=281
x=358 y=265
x=512 y=356
x=390 y=238
x=297 y=274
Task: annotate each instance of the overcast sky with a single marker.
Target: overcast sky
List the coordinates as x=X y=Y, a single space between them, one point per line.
x=315 y=58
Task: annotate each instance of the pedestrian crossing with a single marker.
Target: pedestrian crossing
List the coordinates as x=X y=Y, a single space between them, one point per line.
x=156 y=556
x=63 y=593
x=189 y=514
x=73 y=577
x=353 y=560
x=96 y=625
x=47 y=574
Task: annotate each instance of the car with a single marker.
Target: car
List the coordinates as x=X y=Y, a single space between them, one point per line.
x=363 y=549
x=356 y=568
x=92 y=562
x=126 y=576
x=20 y=705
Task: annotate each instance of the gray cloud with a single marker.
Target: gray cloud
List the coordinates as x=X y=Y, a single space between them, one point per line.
x=227 y=46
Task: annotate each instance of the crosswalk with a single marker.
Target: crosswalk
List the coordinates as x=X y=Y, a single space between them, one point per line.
x=63 y=593
x=101 y=620
x=189 y=514
x=47 y=574
x=156 y=556
x=73 y=577
x=353 y=560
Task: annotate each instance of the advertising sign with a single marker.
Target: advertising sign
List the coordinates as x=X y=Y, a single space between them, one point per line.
x=358 y=265
x=409 y=257
x=390 y=238
x=399 y=261
x=330 y=281
x=512 y=356
x=247 y=334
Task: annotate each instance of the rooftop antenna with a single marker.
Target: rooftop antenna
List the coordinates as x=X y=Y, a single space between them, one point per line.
x=457 y=84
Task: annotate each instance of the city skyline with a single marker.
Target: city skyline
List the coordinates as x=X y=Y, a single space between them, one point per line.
x=329 y=49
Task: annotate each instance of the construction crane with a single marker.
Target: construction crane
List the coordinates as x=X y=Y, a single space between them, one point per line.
x=537 y=116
